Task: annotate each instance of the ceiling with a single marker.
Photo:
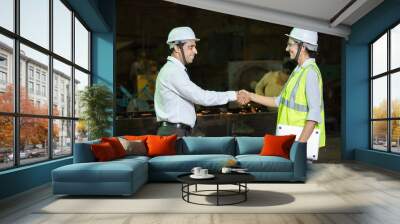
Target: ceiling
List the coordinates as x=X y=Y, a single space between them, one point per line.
x=333 y=17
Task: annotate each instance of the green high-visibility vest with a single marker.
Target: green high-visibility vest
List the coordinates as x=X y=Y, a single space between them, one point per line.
x=293 y=107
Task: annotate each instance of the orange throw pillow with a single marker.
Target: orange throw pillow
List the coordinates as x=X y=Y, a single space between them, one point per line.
x=161 y=145
x=136 y=137
x=103 y=152
x=116 y=145
x=277 y=145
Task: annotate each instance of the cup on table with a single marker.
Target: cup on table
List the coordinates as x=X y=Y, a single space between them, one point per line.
x=203 y=172
x=196 y=170
x=226 y=170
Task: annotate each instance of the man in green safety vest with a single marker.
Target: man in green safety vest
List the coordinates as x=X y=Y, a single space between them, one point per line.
x=300 y=104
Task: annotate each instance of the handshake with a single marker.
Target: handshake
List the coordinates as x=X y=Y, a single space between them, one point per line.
x=243 y=97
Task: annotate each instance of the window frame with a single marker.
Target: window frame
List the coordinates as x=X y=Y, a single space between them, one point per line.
x=388 y=74
x=18 y=40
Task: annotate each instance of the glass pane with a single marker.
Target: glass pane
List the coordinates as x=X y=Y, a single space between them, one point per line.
x=379 y=55
x=81 y=131
x=81 y=45
x=7 y=14
x=81 y=81
x=34 y=97
x=379 y=135
x=62 y=29
x=6 y=74
x=62 y=138
x=6 y=142
x=35 y=21
x=62 y=89
x=395 y=47
x=395 y=136
x=379 y=97
x=395 y=95
x=33 y=139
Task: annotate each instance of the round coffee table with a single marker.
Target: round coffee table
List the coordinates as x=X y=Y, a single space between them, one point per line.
x=238 y=179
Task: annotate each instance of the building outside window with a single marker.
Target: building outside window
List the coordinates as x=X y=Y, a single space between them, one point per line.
x=385 y=96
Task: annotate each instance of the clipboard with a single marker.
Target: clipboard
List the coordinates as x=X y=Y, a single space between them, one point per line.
x=312 y=143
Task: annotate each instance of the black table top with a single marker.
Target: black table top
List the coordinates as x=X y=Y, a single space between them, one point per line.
x=220 y=178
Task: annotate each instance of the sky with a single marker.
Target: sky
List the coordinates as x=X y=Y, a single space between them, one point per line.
x=34 y=26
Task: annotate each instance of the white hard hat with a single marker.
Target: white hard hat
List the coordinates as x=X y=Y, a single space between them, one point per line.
x=310 y=38
x=181 y=34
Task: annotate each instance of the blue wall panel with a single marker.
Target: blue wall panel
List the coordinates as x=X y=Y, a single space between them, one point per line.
x=24 y=178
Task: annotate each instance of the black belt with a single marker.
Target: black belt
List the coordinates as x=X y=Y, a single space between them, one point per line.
x=176 y=125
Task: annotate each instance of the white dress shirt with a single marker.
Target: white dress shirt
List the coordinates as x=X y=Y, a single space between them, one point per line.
x=176 y=94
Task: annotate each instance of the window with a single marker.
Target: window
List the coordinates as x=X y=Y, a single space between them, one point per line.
x=3 y=61
x=62 y=29
x=34 y=22
x=81 y=81
x=37 y=74
x=7 y=14
x=62 y=74
x=6 y=73
x=53 y=125
x=3 y=72
x=3 y=78
x=81 y=45
x=43 y=90
x=38 y=89
x=43 y=77
x=30 y=87
x=30 y=72
x=385 y=96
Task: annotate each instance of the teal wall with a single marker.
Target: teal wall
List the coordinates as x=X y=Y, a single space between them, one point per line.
x=356 y=101
x=103 y=51
x=99 y=15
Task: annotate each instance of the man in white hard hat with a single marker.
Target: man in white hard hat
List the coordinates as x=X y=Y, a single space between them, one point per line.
x=176 y=94
x=300 y=104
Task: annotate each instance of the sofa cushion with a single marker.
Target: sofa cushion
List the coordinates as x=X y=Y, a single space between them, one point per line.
x=117 y=177
x=161 y=145
x=277 y=145
x=257 y=163
x=103 y=151
x=134 y=147
x=207 y=145
x=185 y=163
x=249 y=145
x=116 y=145
x=97 y=172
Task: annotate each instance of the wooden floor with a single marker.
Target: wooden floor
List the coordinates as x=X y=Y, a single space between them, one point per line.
x=378 y=189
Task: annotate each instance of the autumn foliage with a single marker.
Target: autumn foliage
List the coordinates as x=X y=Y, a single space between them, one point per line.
x=33 y=130
x=380 y=127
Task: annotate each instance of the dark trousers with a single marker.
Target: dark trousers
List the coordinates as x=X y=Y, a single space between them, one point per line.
x=171 y=130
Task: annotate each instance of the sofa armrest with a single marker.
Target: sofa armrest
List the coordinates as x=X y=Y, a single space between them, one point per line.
x=298 y=155
x=83 y=153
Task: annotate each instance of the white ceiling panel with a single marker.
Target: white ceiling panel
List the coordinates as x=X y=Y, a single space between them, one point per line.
x=333 y=17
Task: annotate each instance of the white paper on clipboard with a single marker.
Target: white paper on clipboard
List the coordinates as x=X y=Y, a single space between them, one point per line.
x=312 y=143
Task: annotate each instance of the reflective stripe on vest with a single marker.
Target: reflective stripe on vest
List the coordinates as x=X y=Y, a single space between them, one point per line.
x=291 y=102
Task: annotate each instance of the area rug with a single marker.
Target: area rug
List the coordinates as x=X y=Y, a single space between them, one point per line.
x=167 y=198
